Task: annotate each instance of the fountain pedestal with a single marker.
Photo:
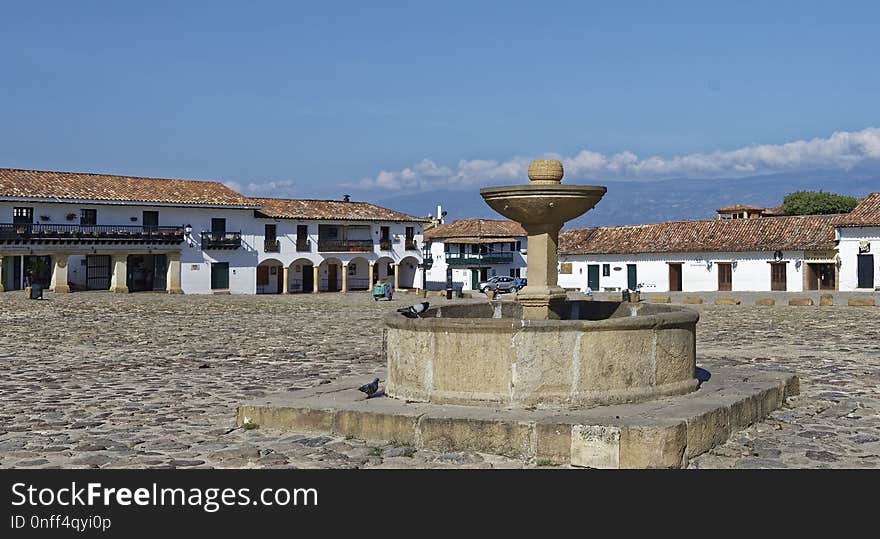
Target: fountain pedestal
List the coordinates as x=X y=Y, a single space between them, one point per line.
x=542 y=207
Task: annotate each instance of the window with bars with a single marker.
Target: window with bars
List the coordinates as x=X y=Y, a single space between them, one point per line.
x=22 y=216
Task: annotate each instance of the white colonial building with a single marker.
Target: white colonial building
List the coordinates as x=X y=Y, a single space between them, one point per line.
x=858 y=238
x=76 y=231
x=473 y=250
x=760 y=254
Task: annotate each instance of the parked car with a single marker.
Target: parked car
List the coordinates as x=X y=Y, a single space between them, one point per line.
x=499 y=284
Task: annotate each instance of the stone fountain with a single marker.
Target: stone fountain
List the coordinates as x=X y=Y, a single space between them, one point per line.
x=600 y=384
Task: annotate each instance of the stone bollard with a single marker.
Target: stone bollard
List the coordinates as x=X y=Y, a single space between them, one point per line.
x=661 y=299
x=800 y=301
x=765 y=301
x=693 y=301
x=826 y=300
x=861 y=302
x=727 y=301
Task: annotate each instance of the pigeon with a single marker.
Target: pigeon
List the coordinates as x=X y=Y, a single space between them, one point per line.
x=371 y=388
x=414 y=311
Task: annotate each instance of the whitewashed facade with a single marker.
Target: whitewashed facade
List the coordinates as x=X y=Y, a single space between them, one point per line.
x=191 y=237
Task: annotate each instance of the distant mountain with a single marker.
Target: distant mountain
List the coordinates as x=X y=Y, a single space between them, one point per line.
x=635 y=202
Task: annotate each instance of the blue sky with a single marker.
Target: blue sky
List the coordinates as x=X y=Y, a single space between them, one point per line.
x=313 y=99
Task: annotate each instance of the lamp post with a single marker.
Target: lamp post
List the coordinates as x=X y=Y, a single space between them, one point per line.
x=427 y=262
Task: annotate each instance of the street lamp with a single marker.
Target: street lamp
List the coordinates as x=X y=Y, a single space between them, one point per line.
x=427 y=262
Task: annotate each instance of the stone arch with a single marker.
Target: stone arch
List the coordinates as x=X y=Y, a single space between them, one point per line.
x=270 y=276
x=383 y=270
x=330 y=275
x=409 y=273
x=358 y=277
x=301 y=275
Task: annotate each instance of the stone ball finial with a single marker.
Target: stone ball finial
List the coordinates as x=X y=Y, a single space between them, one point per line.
x=545 y=171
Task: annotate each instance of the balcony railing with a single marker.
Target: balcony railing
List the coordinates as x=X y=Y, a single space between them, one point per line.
x=303 y=246
x=271 y=246
x=411 y=245
x=345 y=246
x=221 y=240
x=38 y=232
x=385 y=245
x=468 y=259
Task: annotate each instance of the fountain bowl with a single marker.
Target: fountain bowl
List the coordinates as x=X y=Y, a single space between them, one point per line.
x=597 y=353
x=540 y=204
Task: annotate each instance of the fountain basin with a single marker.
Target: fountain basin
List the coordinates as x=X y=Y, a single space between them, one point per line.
x=598 y=353
x=542 y=204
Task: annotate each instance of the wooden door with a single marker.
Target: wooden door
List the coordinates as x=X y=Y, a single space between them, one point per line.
x=632 y=279
x=593 y=277
x=778 y=280
x=332 y=274
x=675 y=277
x=725 y=277
x=219 y=275
x=308 y=278
x=866 y=271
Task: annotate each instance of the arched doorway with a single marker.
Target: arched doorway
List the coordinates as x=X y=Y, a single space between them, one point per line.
x=302 y=276
x=358 y=274
x=330 y=275
x=383 y=270
x=408 y=268
x=270 y=277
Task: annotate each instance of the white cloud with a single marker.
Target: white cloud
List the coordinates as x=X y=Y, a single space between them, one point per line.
x=842 y=150
x=275 y=189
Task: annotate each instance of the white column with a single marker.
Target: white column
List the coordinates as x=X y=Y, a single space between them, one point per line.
x=118 y=281
x=172 y=278
x=59 y=275
x=396 y=277
x=286 y=284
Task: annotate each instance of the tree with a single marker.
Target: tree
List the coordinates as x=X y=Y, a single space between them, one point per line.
x=817 y=203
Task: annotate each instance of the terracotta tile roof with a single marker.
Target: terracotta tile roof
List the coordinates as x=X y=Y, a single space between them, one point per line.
x=38 y=184
x=337 y=210
x=725 y=235
x=866 y=213
x=490 y=229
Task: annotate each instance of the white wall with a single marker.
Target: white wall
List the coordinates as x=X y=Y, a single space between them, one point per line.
x=750 y=273
x=848 y=249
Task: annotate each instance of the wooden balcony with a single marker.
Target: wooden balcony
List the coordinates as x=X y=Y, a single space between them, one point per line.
x=345 y=246
x=38 y=233
x=467 y=259
x=221 y=240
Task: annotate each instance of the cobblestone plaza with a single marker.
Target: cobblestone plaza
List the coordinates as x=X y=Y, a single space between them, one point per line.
x=152 y=381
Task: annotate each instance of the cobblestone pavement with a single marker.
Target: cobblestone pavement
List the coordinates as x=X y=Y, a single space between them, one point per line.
x=152 y=381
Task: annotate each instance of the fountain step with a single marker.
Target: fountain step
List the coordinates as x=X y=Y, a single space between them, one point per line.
x=663 y=433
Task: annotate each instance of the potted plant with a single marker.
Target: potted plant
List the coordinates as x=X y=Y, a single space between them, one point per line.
x=45 y=218
x=71 y=216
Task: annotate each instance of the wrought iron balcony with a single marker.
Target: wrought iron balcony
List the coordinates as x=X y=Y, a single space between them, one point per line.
x=271 y=246
x=221 y=240
x=385 y=245
x=468 y=259
x=303 y=246
x=411 y=245
x=88 y=234
x=345 y=246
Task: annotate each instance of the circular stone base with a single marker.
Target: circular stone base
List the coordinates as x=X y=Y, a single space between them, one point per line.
x=599 y=353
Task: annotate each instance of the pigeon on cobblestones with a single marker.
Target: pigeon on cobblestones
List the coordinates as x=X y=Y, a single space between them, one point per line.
x=371 y=388
x=414 y=311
